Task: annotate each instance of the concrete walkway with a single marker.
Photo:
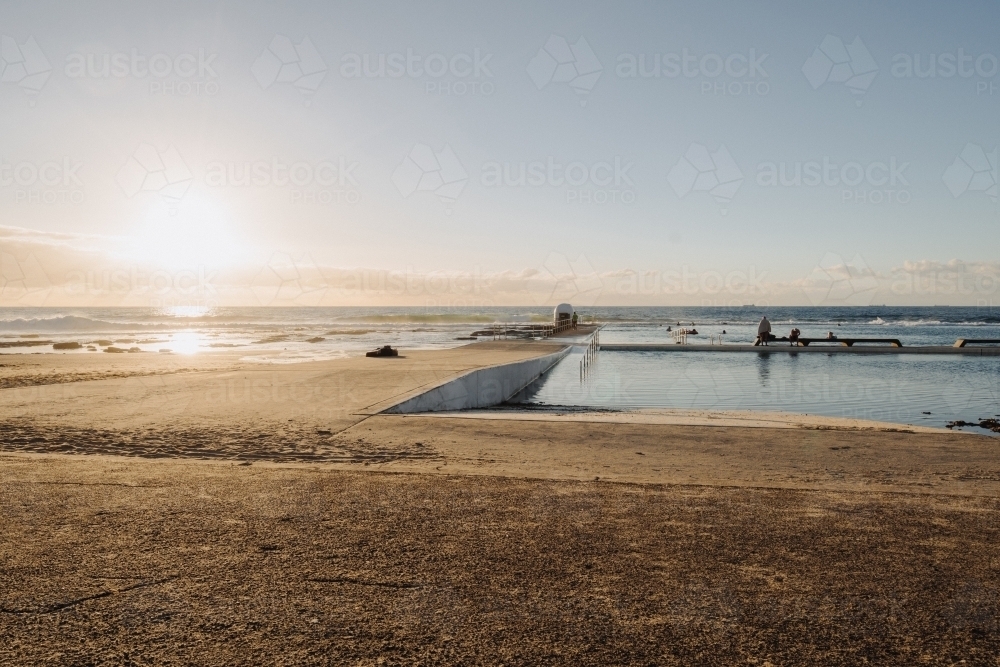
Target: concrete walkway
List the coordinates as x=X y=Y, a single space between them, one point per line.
x=779 y=348
x=330 y=394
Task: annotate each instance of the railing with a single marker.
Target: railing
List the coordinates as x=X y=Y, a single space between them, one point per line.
x=564 y=325
x=502 y=329
x=590 y=354
x=680 y=336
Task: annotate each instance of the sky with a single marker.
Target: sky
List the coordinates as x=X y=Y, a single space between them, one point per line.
x=448 y=154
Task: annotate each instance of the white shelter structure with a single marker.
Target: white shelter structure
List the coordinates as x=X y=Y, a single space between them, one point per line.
x=562 y=313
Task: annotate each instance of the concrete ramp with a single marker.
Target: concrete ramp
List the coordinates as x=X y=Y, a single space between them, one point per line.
x=480 y=388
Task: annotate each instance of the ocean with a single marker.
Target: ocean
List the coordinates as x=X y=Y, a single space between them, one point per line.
x=351 y=330
x=910 y=389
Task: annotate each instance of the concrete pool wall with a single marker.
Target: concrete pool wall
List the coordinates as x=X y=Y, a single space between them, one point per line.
x=481 y=388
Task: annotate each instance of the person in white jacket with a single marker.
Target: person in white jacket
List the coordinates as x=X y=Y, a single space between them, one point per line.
x=763 y=331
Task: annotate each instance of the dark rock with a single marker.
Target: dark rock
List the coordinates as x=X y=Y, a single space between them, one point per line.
x=989 y=424
x=24 y=343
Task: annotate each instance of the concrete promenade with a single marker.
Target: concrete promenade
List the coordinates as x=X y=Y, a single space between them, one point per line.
x=815 y=348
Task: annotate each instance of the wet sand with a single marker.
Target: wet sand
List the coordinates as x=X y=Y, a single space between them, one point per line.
x=239 y=513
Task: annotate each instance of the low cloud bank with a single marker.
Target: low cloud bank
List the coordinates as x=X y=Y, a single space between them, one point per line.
x=75 y=270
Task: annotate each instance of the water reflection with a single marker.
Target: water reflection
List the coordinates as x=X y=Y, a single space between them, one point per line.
x=928 y=390
x=763 y=368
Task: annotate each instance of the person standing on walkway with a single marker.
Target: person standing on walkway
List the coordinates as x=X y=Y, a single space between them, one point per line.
x=763 y=331
x=574 y=319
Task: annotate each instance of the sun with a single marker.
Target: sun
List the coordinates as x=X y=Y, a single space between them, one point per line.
x=197 y=232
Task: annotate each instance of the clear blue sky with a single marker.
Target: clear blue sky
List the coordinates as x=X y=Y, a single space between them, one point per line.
x=523 y=108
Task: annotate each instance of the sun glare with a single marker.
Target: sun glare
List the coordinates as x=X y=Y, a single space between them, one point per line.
x=187 y=311
x=186 y=342
x=196 y=231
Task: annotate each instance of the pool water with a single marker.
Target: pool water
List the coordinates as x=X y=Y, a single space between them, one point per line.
x=926 y=390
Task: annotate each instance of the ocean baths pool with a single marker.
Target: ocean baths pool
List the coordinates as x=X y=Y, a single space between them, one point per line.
x=925 y=390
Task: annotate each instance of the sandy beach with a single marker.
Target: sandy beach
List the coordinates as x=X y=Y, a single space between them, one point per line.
x=538 y=333
x=202 y=509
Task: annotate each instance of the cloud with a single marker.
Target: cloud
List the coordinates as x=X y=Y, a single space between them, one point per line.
x=10 y=234
x=65 y=269
x=954 y=265
x=838 y=282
